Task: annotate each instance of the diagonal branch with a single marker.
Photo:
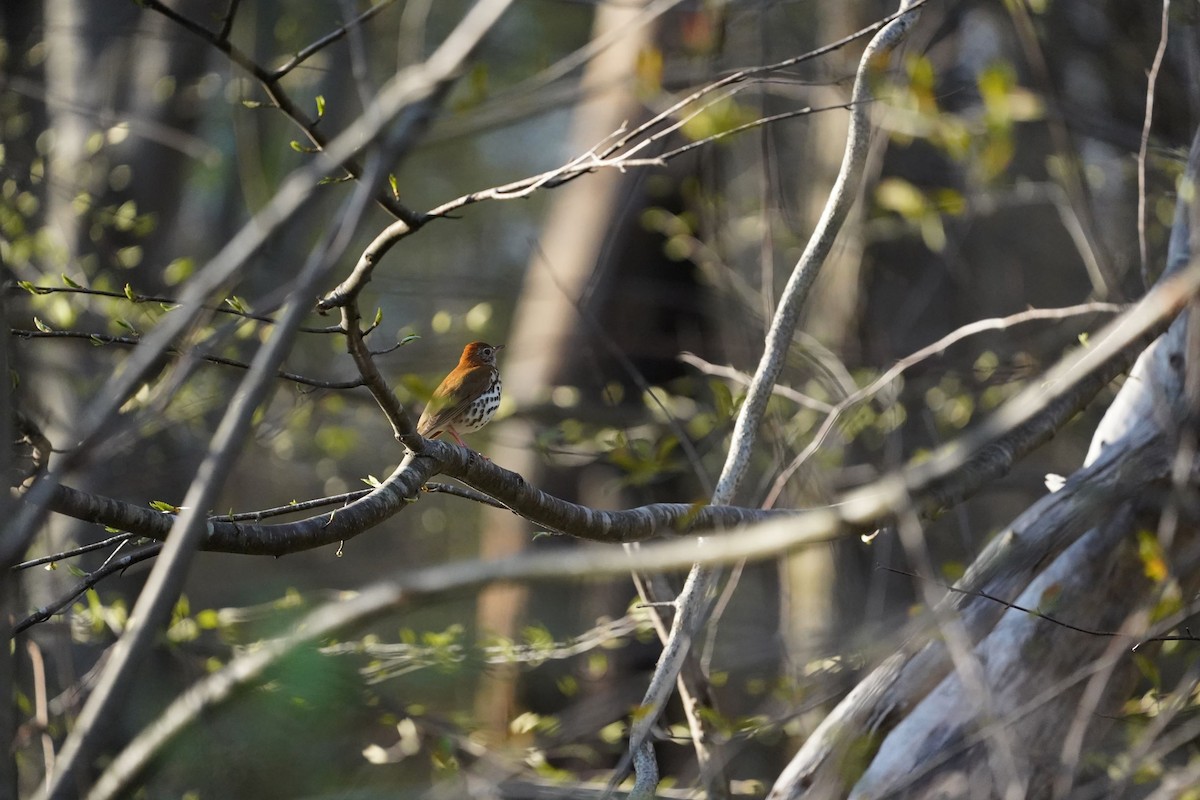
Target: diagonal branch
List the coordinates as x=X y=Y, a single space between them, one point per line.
x=692 y=605
x=279 y=97
x=410 y=87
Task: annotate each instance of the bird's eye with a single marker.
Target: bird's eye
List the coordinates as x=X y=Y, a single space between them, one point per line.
x=487 y=351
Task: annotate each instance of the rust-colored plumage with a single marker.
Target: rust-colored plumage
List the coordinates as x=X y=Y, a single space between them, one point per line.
x=467 y=398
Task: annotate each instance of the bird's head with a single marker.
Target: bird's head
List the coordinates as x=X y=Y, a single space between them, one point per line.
x=479 y=354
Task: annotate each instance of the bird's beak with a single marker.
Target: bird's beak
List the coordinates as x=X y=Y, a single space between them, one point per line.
x=499 y=347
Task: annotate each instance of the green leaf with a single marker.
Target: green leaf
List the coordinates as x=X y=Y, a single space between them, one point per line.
x=164 y=506
x=320 y=106
x=299 y=148
x=67 y=280
x=251 y=104
x=127 y=325
x=412 y=337
x=29 y=287
x=395 y=186
x=378 y=317
x=129 y=293
x=41 y=326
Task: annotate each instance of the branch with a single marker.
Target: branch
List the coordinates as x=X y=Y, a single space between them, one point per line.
x=24 y=287
x=759 y=542
x=906 y=363
x=693 y=602
x=110 y=567
x=952 y=473
x=153 y=607
x=134 y=341
x=1131 y=455
x=608 y=154
x=409 y=87
x=279 y=97
x=326 y=40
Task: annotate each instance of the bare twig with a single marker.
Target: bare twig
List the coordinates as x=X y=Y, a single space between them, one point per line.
x=1144 y=144
x=137 y=299
x=279 y=98
x=154 y=603
x=693 y=602
x=326 y=40
x=111 y=567
x=134 y=341
x=75 y=551
x=906 y=363
x=410 y=87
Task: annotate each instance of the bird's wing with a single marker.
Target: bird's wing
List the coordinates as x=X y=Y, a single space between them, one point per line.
x=452 y=398
x=439 y=412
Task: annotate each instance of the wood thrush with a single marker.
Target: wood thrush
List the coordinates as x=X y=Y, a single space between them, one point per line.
x=467 y=398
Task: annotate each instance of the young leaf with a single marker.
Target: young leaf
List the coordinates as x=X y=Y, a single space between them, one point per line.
x=320 y=106
x=67 y=280
x=129 y=293
x=395 y=186
x=41 y=326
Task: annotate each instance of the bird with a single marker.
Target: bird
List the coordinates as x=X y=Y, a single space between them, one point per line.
x=467 y=398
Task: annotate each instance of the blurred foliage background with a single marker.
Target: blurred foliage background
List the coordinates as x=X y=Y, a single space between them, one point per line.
x=1003 y=176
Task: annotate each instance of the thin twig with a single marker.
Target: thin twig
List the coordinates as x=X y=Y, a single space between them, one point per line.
x=227 y=21
x=134 y=341
x=87 y=582
x=328 y=39
x=279 y=98
x=1144 y=143
x=906 y=363
x=694 y=600
x=137 y=299
x=75 y=551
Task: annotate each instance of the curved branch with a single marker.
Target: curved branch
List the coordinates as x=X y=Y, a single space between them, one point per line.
x=409 y=88
x=951 y=474
x=692 y=604
x=607 y=154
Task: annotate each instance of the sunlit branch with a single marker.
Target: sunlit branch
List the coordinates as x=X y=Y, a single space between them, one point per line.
x=693 y=602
